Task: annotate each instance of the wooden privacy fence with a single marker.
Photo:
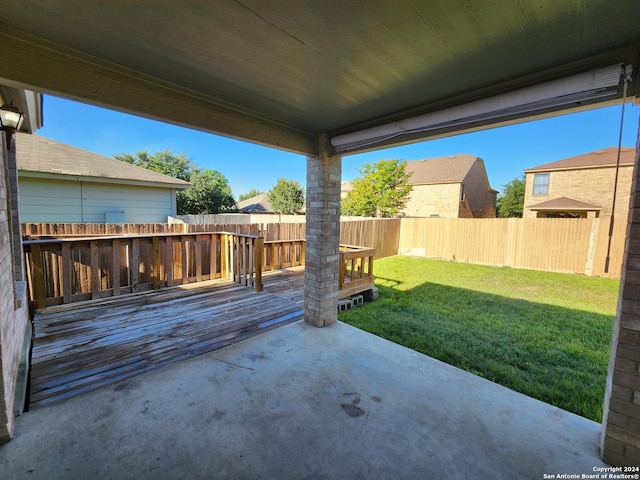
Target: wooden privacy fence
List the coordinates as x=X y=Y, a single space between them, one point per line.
x=548 y=244
x=67 y=270
x=560 y=245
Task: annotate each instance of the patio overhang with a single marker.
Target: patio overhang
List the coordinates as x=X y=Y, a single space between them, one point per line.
x=280 y=74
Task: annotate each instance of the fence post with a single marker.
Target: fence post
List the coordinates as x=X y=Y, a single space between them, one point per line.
x=591 y=251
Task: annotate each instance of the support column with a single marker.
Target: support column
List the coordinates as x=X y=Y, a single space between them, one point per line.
x=620 y=438
x=324 y=173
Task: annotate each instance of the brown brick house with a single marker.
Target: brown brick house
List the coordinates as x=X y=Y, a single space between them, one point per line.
x=455 y=186
x=580 y=186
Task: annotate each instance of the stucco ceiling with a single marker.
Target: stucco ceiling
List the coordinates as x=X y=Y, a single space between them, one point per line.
x=280 y=72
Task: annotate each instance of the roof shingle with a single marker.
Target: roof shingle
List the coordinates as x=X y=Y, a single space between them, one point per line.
x=564 y=203
x=606 y=157
x=450 y=169
x=42 y=155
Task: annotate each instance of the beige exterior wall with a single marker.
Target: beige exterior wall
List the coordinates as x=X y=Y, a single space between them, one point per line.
x=594 y=185
x=478 y=196
x=14 y=319
x=434 y=200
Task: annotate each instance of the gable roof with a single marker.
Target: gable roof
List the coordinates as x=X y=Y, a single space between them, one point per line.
x=258 y=204
x=449 y=169
x=42 y=157
x=606 y=157
x=564 y=203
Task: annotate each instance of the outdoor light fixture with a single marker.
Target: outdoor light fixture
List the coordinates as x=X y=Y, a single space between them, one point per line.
x=10 y=120
x=599 y=83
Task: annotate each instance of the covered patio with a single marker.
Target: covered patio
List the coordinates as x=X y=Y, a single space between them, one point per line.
x=298 y=402
x=321 y=79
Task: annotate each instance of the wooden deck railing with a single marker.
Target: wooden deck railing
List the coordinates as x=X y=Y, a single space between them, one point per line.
x=66 y=270
x=356 y=263
x=356 y=270
x=283 y=254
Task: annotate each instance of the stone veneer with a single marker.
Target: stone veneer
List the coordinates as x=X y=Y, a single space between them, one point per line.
x=324 y=173
x=620 y=440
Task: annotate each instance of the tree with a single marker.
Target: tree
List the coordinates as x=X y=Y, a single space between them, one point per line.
x=381 y=191
x=165 y=162
x=209 y=191
x=511 y=202
x=250 y=194
x=286 y=196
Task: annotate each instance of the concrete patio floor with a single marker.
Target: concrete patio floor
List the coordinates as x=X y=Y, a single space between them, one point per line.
x=300 y=402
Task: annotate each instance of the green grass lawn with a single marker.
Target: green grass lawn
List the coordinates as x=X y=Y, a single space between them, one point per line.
x=546 y=335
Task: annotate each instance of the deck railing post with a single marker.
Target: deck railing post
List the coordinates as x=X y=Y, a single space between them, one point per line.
x=66 y=273
x=342 y=271
x=156 y=262
x=95 y=269
x=38 y=277
x=257 y=263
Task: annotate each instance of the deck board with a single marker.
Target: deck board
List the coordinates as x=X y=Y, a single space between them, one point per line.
x=84 y=346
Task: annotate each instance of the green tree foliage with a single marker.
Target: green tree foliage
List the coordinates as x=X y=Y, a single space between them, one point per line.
x=510 y=203
x=381 y=191
x=209 y=191
x=250 y=194
x=165 y=162
x=286 y=196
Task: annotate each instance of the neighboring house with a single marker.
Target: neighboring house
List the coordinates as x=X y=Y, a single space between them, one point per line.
x=59 y=183
x=455 y=186
x=345 y=188
x=258 y=204
x=580 y=187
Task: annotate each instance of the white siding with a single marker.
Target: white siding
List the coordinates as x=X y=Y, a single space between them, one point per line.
x=55 y=201
x=49 y=201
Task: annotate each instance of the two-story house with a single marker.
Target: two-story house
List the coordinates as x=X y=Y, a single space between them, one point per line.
x=580 y=187
x=454 y=186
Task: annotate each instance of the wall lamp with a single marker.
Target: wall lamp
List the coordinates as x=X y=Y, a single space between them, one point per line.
x=10 y=120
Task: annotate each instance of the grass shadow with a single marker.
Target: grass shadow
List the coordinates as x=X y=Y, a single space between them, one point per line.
x=555 y=354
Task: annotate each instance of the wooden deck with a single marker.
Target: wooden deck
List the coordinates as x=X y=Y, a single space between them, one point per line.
x=84 y=346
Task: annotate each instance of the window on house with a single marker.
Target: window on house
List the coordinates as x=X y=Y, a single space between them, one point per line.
x=541 y=184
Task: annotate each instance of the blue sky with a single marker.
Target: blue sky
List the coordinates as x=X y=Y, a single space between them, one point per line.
x=507 y=151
